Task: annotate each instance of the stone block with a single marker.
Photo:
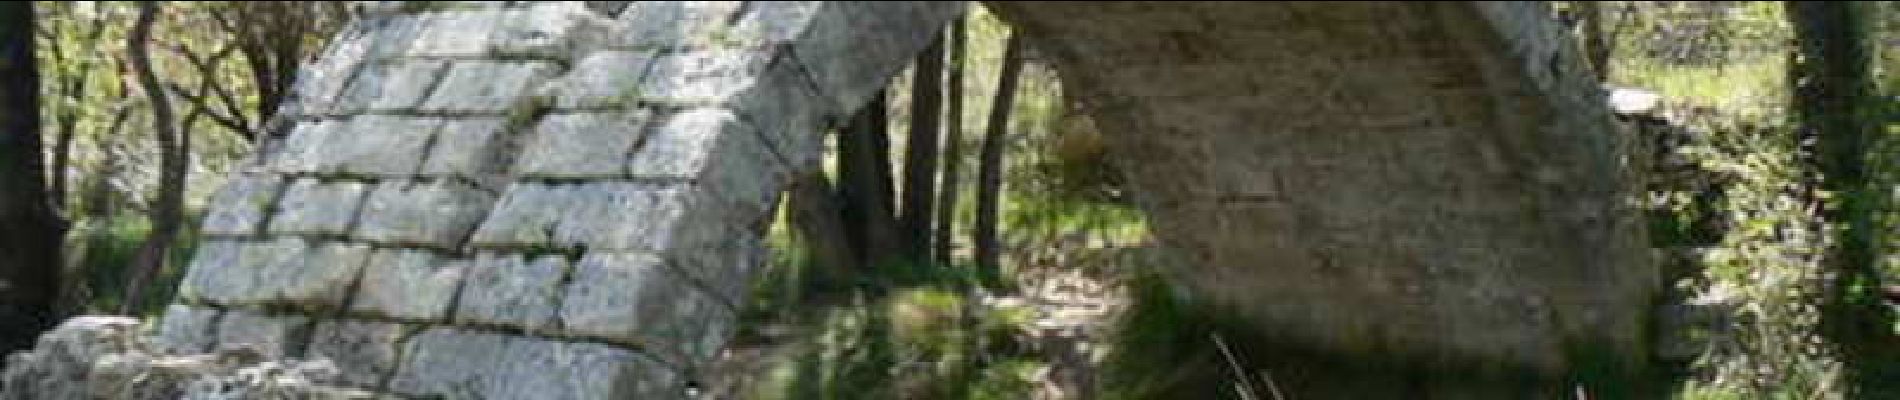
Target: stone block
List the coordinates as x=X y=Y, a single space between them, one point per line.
x=602 y=79
x=584 y=145
x=512 y=290
x=437 y=214
x=788 y=112
x=378 y=145
x=455 y=33
x=273 y=336
x=713 y=148
x=314 y=207
x=851 y=47
x=654 y=24
x=409 y=284
x=703 y=76
x=525 y=216
x=319 y=279
x=187 y=329
x=305 y=147
x=239 y=207
x=488 y=87
x=399 y=85
x=468 y=147
x=635 y=298
x=459 y=364
x=365 y=352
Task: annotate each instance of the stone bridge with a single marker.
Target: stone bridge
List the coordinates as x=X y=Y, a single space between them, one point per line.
x=513 y=200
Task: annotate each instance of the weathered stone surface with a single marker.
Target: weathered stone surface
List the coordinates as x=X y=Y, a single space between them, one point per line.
x=314 y=207
x=227 y=272
x=713 y=148
x=365 y=352
x=711 y=75
x=187 y=329
x=1308 y=192
x=597 y=216
x=317 y=280
x=57 y=367
x=241 y=205
x=602 y=79
x=457 y=364
x=668 y=23
x=304 y=149
x=404 y=83
x=551 y=30
x=469 y=148
x=437 y=214
x=774 y=22
x=512 y=290
x=623 y=216
x=1235 y=120
x=787 y=110
x=273 y=336
x=526 y=216
x=584 y=145
x=851 y=48
x=634 y=298
x=722 y=260
x=409 y=284
x=94 y=357
x=317 y=85
x=456 y=33
x=377 y=145
x=285 y=271
x=487 y=86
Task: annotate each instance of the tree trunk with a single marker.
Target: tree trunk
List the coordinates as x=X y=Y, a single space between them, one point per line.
x=168 y=208
x=990 y=165
x=953 y=147
x=29 y=230
x=864 y=175
x=1595 y=42
x=1832 y=82
x=920 y=159
x=817 y=219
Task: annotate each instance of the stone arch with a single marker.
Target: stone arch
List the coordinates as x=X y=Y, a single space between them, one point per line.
x=535 y=199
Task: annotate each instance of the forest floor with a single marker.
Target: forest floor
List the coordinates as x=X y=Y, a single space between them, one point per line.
x=1068 y=312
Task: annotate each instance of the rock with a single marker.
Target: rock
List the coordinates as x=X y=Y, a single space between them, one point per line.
x=103 y=357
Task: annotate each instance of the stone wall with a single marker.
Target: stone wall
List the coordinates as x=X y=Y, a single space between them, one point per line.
x=565 y=199
x=1428 y=191
x=531 y=199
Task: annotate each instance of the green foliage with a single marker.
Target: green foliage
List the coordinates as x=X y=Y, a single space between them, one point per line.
x=104 y=249
x=1162 y=347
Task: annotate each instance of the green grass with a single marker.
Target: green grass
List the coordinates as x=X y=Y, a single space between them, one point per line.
x=106 y=248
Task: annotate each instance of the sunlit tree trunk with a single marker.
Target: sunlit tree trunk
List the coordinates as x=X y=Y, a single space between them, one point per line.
x=29 y=230
x=920 y=160
x=953 y=146
x=1595 y=41
x=990 y=164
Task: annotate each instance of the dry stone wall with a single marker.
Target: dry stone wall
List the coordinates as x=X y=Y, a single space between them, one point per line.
x=511 y=200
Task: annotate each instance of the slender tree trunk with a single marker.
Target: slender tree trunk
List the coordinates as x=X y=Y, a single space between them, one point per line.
x=30 y=232
x=73 y=87
x=953 y=147
x=1595 y=42
x=1832 y=85
x=168 y=208
x=920 y=160
x=990 y=165
x=864 y=175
